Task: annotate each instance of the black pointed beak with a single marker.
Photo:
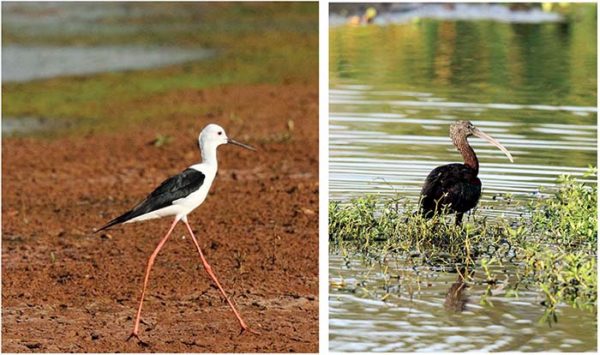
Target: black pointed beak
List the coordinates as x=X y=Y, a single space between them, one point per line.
x=231 y=141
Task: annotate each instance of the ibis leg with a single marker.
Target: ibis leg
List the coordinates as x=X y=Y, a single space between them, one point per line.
x=150 y=263
x=214 y=277
x=459 y=217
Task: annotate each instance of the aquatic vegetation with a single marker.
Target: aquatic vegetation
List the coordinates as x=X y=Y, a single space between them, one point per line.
x=550 y=247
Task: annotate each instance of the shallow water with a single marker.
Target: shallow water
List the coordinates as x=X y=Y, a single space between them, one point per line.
x=54 y=20
x=15 y=126
x=395 y=89
x=24 y=63
x=427 y=322
x=46 y=25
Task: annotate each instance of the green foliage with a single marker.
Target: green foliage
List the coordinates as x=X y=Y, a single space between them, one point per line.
x=562 y=259
x=551 y=247
x=569 y=217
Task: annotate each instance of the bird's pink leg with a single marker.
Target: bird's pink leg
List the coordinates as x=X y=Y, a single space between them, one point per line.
x=150 y=263
x=214 y=277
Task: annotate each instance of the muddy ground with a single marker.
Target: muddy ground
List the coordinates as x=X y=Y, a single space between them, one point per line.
x=65 y=289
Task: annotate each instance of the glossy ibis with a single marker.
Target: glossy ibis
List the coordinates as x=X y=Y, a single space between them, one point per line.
x=456 y=187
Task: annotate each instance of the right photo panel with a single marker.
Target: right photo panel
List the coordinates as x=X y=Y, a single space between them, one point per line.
x=462 y=177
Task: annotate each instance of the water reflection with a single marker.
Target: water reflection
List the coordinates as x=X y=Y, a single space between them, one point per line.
x=421 y=314
x=457 y=296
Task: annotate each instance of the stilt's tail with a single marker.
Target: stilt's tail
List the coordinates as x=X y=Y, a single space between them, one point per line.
x=121 y=219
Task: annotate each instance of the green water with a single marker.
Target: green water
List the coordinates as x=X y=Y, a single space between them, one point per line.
x=394 y=90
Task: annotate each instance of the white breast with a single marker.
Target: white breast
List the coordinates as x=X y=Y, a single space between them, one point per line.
x=195 y=199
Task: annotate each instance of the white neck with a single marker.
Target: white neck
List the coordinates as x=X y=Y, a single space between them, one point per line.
x=209 y=154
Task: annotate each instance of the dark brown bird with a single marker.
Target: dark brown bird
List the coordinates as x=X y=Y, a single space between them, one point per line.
x=456 y=187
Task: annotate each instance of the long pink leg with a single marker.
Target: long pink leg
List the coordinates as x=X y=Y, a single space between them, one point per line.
x=150 y=263
x=214 y=277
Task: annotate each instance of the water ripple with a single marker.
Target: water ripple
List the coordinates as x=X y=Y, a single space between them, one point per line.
x=369 y=151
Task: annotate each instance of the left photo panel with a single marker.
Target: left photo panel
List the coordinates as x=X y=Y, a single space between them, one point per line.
x=160 y=182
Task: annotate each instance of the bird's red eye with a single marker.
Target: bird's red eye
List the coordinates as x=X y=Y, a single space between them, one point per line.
x=220 y=133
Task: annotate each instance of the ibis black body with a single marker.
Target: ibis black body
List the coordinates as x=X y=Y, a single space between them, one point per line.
x=455 y=187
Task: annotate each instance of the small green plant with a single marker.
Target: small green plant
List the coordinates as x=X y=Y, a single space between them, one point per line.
x=161 y=139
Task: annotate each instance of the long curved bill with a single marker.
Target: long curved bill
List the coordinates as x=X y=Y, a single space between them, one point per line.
x=482 y=135
x=231 y=141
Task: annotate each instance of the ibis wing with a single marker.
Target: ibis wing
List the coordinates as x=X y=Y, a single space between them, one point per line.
x=448 y=185
x=172 y=189
x=433 y=190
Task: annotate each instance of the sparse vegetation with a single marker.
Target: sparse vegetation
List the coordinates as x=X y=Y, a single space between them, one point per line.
x=161 y=140
x=551 y=246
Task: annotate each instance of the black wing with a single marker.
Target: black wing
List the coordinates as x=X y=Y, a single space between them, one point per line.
x=172 y=189
x=455 y=185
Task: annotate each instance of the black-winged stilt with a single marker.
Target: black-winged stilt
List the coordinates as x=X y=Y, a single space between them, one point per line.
x=178 y=196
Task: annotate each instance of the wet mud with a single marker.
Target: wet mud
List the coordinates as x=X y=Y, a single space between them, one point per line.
x=66 y=289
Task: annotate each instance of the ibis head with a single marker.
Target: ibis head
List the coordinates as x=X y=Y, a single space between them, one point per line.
x=461 y=130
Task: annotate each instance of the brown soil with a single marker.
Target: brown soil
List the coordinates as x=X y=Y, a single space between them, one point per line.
x=65 y=289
